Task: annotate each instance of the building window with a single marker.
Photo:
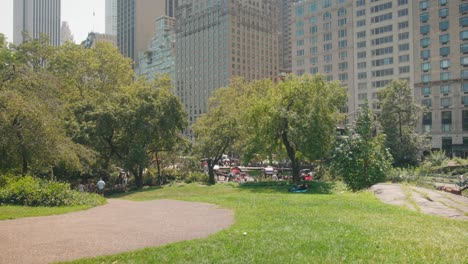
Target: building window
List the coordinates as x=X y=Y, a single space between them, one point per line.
x=327 y=16
x=363 y=65
x=464 y=61
x=360 y=2
x=444 y=26
x=426 y=90
x=402 y=2
x=362 y=75
x=403 y=25
x=327 y=58
x=342 y=33
x=426 y=66
x=342 y=11
x=463 y=21
x=361 y=54
x=342 y=22
x=446 y=121
x=442 y=2
x=342 y=44
x=444 y=76
x=403 y=47
x=327 y=36
x=313 y=29
x=427 y=103
x=313 y=70
x=328 y=68
x=444 y=64
x=361 y=12
x=443 y=13
x=313 y=60
x=299 y=11
x=327 y=26
x=425 y=78
x=326 y=3
x=343 y=66
x=427 y=121
x=425 y=42
x=425 y=29
x=423 y=5
x=464 y=48
x=444 y=39
x=424 y=17
x=463 y=8
x=464 y=87
x=403 y=12
x=361 y=34
x=444 y=51
x=403 y=58
x=313 y=7
x=300 y=53
x=464 y=74
x=402 y=36
x=343 y=76
x=464 y=35
x=361 y=44
x=465 y=120
x=361 y=23
x=404 y=69
x=327 y=47
x=313 y=50
x=343 y=54
x=464 y=100
x=445 y=89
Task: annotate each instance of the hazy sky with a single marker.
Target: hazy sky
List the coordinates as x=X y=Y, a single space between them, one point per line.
x=78 y=13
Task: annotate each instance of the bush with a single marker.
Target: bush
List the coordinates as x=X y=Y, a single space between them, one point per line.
x=410 y=174
x=196 y=177
x=31 y=191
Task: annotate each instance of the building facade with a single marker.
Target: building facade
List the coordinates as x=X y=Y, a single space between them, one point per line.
x=441 y=72
x=135 y=25
x=111 y=17
x=36 y=17
x=159 y=58
x=285 y=47
x=94 y=38
x=218 y=40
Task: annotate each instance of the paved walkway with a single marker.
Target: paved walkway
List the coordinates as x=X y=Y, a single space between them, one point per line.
x=118 y=226
x=424 y=200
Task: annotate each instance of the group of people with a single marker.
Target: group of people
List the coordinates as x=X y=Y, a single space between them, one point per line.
x=122 y=182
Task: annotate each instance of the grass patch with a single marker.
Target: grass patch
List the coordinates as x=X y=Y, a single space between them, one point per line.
x=408 y=198
x=17 y=211
x=274 y=226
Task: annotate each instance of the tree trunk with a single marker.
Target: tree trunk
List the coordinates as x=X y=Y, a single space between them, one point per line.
x=25 y=163
x=139 y=177
x=292 y=156
x=159 y=170
x=211 y=176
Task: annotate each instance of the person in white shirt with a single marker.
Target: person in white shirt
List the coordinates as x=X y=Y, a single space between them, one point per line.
x=101 y=184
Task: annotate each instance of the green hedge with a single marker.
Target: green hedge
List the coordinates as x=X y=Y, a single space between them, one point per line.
x=32 y=191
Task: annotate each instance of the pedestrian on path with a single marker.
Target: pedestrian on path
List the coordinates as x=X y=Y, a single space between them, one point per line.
x=101 y=184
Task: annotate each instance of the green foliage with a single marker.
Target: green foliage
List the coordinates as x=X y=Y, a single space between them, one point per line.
x=437 y=158
x=360 y=158
x=199 y=177
x=411 y=174
x=399 y=116
x=31 y=191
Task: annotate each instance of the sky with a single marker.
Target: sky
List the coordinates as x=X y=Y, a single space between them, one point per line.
x=78 y=14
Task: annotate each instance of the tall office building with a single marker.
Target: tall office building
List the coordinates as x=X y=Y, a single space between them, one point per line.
x=367 y=44
x=111 y=17
x=159 y=58
x=135 y=24
x=36 y=17
x=441 y=71
x=217 y=40
x=285 y=48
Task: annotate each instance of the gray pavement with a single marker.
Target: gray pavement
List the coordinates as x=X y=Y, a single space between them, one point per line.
x=118 y=226
x=424 y=200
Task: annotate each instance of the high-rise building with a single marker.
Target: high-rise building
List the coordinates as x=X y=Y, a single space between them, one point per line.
x=135 y=24
x=441 y=71
x=285 y=48
x=159 y=58
x=36 y=17
x=65 y=33
x=218 y=40
x=111 y=17
x=94 y=38
x=367 y=44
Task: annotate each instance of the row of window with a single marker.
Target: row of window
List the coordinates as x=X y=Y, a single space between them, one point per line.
x=443 y=51
x=424 y=5
x=312 y=7
x=444 y=76
x=445 y=89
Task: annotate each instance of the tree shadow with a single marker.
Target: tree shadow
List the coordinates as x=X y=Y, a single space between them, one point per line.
x=122 y=194
x=315 y=187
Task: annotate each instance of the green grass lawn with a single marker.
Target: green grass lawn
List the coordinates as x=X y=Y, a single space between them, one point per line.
x=324 y=226
x=16 y=211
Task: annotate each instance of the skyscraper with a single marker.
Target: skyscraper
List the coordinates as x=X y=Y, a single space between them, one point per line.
x=135 y=24
x=111 y=17
x=367 y=44
x=65 y=33
x=36 y=17
x=218 y=40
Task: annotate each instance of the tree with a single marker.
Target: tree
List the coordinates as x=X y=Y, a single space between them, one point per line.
x=301 y=113
x=218 y=129
x=359 y=157
x=399 y=116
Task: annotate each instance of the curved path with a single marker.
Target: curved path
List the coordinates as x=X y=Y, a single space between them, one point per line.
x=423 y=200
x=116 y=227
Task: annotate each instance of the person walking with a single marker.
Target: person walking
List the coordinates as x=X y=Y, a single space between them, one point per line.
x=101 y=184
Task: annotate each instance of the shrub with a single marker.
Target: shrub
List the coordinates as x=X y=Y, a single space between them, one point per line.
x=31 y=191
x=196 y=177
x=437 y=159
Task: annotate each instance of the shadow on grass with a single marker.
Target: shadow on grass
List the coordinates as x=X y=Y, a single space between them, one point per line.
x=124 y=194
x=315 y=187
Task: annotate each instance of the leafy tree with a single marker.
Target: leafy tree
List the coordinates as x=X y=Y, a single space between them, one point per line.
x=399 y=116
x=360 y=158
x=218 y=129
x=301 y=113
